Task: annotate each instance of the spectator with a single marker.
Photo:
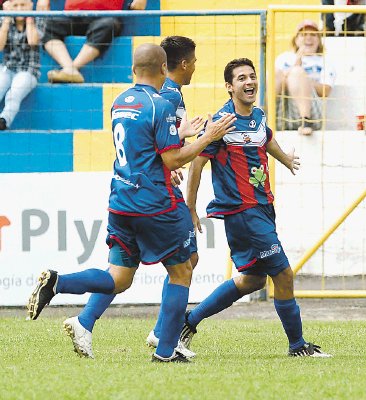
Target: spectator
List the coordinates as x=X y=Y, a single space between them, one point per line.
x=302 y=81
x=99 y=33
x=344 y=24
x=19 y=39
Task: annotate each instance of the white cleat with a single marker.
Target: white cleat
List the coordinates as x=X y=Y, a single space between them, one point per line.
x=183 y=350
x=81 y=337
x=153 y=341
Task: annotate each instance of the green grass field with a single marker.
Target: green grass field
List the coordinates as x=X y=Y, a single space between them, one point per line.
x=237 y=359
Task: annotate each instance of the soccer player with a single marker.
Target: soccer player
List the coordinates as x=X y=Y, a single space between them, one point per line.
x=144 y=224
x=244 y=200
x=181 y=61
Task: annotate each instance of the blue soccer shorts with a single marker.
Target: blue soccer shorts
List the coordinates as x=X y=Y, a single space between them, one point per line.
x=162 y=238
x=253 y=241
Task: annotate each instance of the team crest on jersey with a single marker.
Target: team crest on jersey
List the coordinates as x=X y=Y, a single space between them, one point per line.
x=246 y=137
x=173 y=130
x=129 y=99
x=258 y=177
x=252 y=124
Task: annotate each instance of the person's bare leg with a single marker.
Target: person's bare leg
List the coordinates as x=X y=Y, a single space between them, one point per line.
x=58 y=51
x=300 y=87
x=86 y=55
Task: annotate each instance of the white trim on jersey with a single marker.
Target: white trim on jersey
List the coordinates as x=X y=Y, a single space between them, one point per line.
x=152 y=101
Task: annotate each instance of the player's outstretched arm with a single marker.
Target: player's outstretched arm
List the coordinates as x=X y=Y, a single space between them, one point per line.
x=194 y=180
x=289 y=160
x=176 y=158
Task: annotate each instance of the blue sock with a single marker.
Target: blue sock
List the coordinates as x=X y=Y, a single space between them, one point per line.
x=221 y=298
x=173 y=307
x=94 y=308
x=91 y=280
x=157 y=328
x=289 y=313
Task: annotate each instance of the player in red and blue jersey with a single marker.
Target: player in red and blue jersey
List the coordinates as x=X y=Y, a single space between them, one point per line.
x=243 y=198
x=181 y=65
x=144 y=223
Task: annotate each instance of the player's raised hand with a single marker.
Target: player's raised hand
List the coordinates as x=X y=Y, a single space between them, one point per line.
x=176 y=177
x=189 y=128
x=293 y=161
x=218 y=129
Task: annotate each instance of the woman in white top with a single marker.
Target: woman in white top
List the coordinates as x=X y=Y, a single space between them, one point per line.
x=302 y=81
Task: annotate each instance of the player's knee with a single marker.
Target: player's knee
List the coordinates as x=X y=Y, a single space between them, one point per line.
x=247 y=284
x=121 y=286
x=284 y=282
x=181 y=274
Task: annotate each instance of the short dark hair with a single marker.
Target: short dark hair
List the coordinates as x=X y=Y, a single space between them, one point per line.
x=238 y=62
x=177 y=48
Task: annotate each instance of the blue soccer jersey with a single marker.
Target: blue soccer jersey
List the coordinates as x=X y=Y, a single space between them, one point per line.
x=239 y=164
x=143 y=126
x=172 y=91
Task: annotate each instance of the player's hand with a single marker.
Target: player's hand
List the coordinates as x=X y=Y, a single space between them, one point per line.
x=218 y=129
x=293 y=163
x=196 y=221
x=176 y=177
x=138 y=5
x=189 y=128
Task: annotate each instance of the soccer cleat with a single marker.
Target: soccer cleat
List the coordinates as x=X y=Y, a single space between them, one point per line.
x=188 y=331
x=81 y=337
x=308 y=350
x=176 y=358
x=153 y=341
x=182 y=349
x=43 y=293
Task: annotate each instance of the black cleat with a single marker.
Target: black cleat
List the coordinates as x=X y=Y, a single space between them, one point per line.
x=43 y=293
x=308 y=350
x=3 y=126
x=175 y=358
x=188 y=331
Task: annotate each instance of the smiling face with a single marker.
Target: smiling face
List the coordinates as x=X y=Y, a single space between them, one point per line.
x=244 y=86
x=308 y=41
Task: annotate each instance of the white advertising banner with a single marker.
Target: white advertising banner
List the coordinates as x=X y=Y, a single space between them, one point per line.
x=59 y=220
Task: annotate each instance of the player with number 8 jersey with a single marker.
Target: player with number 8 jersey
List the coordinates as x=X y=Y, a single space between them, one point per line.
x=141 y=183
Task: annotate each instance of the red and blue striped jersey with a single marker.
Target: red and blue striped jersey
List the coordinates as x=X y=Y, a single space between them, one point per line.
x=143 y=126
x=171 y=91
x=239 y=164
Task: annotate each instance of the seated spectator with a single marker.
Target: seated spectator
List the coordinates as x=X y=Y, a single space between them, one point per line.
x=302 y=81
x=99 y=35
x=19 y=39
x=344 y=24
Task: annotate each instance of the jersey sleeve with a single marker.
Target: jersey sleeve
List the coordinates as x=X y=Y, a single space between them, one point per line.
x=269 y=134
x=172 y=96
x=211 y=150
x=166 y=133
